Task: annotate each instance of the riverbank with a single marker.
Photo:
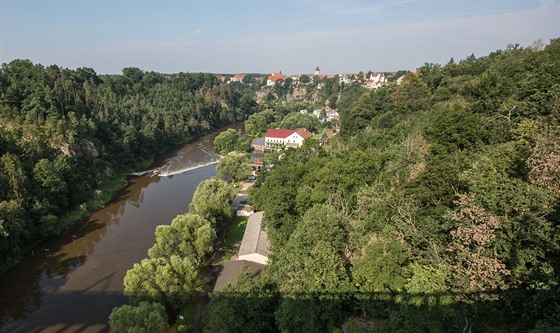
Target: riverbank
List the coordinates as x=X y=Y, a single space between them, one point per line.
x=106 y=191
x=193 y=314
x=72 y=282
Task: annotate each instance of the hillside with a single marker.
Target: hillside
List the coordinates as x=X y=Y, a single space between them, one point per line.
x=67 y=136
x=436 y=209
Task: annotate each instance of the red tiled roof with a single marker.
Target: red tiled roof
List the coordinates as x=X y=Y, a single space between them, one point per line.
x=304 y=133
x=278 y=133
x=276 y=76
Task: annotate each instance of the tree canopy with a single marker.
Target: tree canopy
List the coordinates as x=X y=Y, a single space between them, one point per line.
x=234 y=166
x=438 y=201
x=212 y=200
x=144 y=318
x=230 y=140
x=189 y=235
x=64 y=133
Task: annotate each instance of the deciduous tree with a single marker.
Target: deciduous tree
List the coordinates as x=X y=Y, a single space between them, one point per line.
x=172 y=281
x=189 y=236
x=474 y=256
x=228 y=141
x=144 y=318
x=234 y=166
x=212 y=200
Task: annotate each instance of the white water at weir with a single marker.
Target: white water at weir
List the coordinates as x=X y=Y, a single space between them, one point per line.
x=189 y=158
x=75 y=283
x=166 y=172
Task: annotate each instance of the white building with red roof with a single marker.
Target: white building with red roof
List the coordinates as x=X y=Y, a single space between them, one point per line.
x=272 y=78
x=238 y=77
x=278 y=138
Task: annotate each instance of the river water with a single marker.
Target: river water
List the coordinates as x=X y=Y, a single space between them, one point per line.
x=71 y=284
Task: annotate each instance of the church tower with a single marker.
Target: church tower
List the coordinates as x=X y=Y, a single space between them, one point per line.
x=317 y=71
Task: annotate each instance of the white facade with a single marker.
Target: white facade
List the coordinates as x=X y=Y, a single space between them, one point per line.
x=245 y=211
x=294 y=140
x=332 y=115
x=255 y=257
x=344 y=79
x=273 y=142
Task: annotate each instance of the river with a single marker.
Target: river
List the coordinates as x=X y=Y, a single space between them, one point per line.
x=71 y=284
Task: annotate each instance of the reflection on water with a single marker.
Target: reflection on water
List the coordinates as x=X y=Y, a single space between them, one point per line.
x=71 y=284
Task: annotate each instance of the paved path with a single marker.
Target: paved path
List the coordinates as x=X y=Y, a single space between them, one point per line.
x=242 y=195
x=214 y=265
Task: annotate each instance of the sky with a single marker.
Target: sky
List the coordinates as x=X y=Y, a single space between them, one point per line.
x=292 y=36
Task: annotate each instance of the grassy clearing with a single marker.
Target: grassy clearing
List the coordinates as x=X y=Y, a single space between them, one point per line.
x=187 y=313
x=235 y=234
x=186 y=317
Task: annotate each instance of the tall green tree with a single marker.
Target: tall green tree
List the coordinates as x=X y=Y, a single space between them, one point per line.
x=297 y=120
x=171 y=281
x=146 y=317
x=188 y=236
x=380 y=268
x=234 y=166
x=230 y=140
x=212 y=200
x=258 y=123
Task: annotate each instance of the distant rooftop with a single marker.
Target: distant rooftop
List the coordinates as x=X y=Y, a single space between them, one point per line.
x=258 y=141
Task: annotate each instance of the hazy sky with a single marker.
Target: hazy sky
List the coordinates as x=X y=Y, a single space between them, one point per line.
x=266 y=36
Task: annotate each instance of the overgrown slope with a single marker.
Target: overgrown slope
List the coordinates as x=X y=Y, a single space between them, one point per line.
x=437 y=209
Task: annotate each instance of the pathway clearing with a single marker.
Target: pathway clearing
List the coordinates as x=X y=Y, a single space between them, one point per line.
x=214 y=266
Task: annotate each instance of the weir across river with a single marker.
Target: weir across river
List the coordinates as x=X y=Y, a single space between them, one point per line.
x=72 y=283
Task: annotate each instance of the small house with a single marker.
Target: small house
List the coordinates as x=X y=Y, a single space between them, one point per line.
x=258 y=144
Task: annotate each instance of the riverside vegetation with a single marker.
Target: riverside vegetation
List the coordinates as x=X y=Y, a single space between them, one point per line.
x=68 y=136
x=173 y=274
x=435 y=209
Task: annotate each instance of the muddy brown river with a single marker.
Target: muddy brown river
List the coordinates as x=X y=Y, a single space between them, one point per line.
x=71 y=284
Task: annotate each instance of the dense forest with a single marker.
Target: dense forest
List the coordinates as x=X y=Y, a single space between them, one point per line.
x=436 y=209
x=65 y=133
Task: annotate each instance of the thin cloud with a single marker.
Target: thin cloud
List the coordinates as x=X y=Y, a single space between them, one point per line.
x=351 y=12
x=401 y=45
x=197 y=31
x=547 y=3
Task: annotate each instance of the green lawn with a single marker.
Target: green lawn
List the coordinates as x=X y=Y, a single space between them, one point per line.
x=235 y=232
x=188 y=312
